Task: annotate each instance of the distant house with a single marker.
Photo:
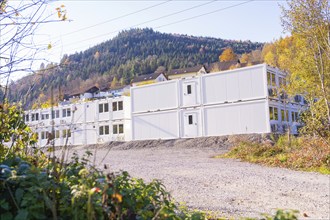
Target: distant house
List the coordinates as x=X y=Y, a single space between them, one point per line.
x=120 y=90
x=92 y=92
x=149 y=79
x=228 y=65
x=186 y=72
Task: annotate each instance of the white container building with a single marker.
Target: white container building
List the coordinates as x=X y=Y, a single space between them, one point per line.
x=238 y=101
x=85 y=122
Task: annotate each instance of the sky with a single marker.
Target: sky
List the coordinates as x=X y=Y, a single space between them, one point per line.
x=93 y=22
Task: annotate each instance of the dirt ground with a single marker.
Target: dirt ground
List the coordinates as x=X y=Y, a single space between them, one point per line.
x=228 y=187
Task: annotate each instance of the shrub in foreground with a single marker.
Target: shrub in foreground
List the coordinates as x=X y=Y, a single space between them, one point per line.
x=78 y=191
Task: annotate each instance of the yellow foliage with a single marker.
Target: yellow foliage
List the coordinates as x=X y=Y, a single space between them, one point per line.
x=245 y=58
x=227 y=55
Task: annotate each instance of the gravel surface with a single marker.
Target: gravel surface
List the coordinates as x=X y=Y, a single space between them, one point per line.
x=229 y=187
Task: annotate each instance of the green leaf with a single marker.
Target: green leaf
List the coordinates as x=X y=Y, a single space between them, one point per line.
x=19 y=195
x=4 y=205
x=6 y=216
x=22 y=214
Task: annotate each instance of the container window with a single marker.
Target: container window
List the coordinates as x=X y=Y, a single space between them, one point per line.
x=283 y=115
x=275 y=113
x=190 y=119
x=115 y=129
x=120 y=105
x=101 y=132
x=269 y=81
x=188 y=89
x=66 y=133
x=100 y=108
x=271 y=113
x=114 y=106
x=121 y=128
x=106 y=107
x=273 y=80
x=106 y=129
x=55 y=114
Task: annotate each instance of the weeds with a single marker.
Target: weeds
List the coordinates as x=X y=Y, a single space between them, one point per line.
x=301 y=153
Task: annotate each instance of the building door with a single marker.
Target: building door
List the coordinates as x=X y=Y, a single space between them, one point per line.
x=189 y=93
x=191 y=123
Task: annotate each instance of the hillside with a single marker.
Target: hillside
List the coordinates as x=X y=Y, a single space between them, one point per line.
x=130 y=53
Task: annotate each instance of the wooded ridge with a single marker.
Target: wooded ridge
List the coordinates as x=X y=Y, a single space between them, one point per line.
x=131 y=53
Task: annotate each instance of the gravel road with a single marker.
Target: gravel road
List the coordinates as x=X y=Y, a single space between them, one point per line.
x=229 y=187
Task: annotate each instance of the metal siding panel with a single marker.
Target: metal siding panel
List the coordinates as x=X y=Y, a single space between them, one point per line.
x=230 y=86
x=91 y=134
x=214 y=89
x=238 y=118
x=90 y=112
x=78 y=135
x=245 y=84
x=158 y=125
x=160 y=96
x=259 y=82
x=79 y=114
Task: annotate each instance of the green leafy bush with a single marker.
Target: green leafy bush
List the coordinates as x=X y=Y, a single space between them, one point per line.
x=79 y=191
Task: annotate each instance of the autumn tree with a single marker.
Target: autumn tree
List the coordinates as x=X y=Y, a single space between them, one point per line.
x=306 y=57
x=228 y=55
x=19 y=22
x=97 y=55
x=245 y=58
x=114 y=82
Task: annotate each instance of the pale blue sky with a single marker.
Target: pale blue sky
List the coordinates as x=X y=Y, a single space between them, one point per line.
x=235 y=20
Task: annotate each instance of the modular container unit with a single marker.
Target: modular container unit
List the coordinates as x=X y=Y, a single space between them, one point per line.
x=156 y=125
x=191 y=124
x=190 y=92
x=91 y=111
x=235 y=85
x=236 y=118
x=155 y=97
x=92 y=122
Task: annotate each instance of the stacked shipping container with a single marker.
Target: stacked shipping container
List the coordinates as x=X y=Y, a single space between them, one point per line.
x=81 y=123
x=230 y=102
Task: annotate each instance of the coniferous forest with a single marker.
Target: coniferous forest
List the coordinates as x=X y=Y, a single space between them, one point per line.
x=131 y=53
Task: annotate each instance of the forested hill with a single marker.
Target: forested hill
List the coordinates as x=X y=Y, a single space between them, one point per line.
x=130 y=53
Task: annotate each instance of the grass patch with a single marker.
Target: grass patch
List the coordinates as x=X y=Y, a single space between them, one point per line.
x=302 y=153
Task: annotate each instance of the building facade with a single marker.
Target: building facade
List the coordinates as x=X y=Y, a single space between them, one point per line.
x=83 y=122
x=239 y=101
